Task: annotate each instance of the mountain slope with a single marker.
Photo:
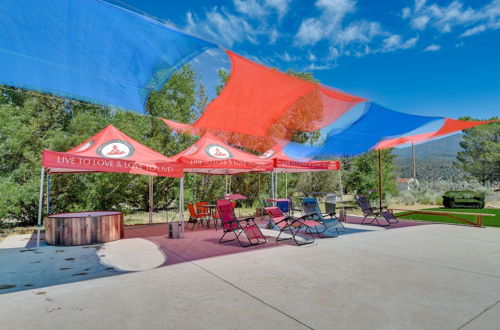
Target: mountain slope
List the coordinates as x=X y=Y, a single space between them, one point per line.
x=434 y=160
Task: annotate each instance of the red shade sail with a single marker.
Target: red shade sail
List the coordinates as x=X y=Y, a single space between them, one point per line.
x=284 y=163
x=210 y=155
x=262 y=102
x=449 y=126
x=111 y=151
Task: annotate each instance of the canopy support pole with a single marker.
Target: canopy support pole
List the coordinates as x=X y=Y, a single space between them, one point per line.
x=340 y=186
x=380 y=179
x=286 y=184
x=40 y=208
x=150 y=199
x=49 y=206
x=226 y=185
x=181 y=207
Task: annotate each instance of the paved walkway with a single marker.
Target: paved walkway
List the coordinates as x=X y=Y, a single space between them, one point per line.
x=430 y=276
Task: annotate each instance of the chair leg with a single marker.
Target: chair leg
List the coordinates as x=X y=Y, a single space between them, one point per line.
x=229 y=240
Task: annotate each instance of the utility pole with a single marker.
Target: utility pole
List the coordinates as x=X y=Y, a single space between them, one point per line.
x=414 y=163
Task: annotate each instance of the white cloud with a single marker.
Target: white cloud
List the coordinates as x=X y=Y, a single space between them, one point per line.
x=311 y=57
x=395 y=42
x=251 y=8
x=333 y=12
x=432 y=48
x=475 y=30
x=420 y=22
x=281 y=6
x=273 y=36
x=406 y=12
x=454 y=15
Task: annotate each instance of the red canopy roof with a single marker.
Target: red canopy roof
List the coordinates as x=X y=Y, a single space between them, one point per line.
x=111 y=151
x=209 y=155
x=285 y=163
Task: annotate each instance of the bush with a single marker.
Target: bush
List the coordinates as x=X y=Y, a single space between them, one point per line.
x=463 y=199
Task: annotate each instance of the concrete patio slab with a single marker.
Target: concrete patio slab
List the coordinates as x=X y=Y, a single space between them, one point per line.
x=414 y=277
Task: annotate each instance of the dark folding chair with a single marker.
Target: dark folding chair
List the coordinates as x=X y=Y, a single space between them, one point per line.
x=245 y=227
x=330 y=221
x=292 y=225
x=368 y=211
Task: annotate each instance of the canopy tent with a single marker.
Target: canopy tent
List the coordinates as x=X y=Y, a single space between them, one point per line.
x=89 y=50
x=210 y=155
x=108 y=151
x=284 y=163
x=111 y=151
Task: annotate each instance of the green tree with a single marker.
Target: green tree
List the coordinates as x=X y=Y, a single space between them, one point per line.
x=362 y=174
x=480 y=157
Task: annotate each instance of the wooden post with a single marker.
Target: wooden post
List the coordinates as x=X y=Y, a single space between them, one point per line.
x=380 y=178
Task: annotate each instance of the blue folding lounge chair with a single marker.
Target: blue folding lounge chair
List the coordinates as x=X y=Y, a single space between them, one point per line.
x=330 y=221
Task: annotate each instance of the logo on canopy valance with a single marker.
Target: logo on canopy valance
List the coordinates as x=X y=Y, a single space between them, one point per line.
x=217 y=151
x=267 y=154
x=115 y=149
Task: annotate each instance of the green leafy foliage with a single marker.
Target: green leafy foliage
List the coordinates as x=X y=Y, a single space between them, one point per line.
x=480 y=157
x=463 y=199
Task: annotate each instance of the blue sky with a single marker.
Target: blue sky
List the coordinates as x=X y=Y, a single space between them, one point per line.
x=426 y=57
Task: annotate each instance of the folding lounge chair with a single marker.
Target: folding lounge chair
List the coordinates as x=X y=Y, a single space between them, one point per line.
x=311 y=208
x=292 y=225
x=246 y=227
x=194 y=217
x=368 y=210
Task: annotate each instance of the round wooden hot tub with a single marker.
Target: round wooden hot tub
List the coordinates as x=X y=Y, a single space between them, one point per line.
x=83 y=228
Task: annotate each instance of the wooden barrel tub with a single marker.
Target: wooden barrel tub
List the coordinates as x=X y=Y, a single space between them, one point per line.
x=83 y=228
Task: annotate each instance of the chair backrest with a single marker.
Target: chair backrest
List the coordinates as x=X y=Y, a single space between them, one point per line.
x=226 y=213
x=310 y=205
x=192 y=211
x=202 y=210
x=364 y=204
x=274 y=212
x=284 y=206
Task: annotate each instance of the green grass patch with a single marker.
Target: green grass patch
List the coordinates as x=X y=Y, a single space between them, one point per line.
x=487 y=221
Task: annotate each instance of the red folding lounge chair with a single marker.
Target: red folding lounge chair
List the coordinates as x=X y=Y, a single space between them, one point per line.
x=292 y=225
x=194 y=217
x=246 y=227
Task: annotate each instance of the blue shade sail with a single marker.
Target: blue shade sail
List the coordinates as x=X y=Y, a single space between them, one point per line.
x=89 y=50
x=376 y=124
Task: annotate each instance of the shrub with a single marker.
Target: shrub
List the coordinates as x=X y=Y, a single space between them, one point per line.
x=463 y=199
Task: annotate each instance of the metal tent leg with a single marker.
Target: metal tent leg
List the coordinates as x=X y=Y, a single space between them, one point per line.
x=40 y=207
